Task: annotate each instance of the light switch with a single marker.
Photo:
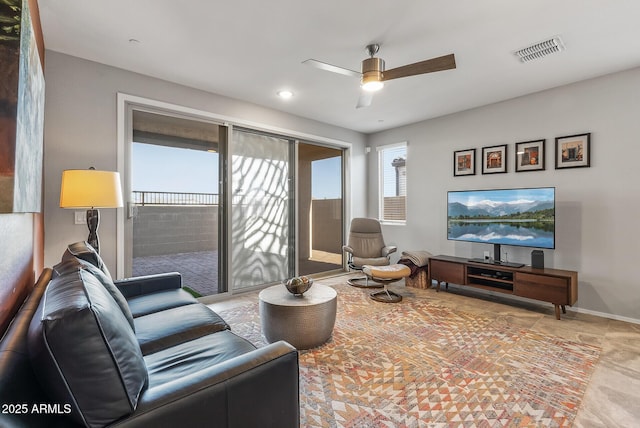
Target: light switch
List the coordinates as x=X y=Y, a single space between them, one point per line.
x=80 y=217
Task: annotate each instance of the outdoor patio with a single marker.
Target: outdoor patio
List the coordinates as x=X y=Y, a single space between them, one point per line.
x=199 y=269
x=178 y=232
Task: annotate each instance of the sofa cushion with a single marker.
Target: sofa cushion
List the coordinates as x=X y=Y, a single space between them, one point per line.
x=72 y=264
x=161 y=330
x=84 y=251
x=84 y=351
x=188 y=358
x=162 y=300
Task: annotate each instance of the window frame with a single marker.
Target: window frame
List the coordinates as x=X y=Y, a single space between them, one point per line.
x=380 y=154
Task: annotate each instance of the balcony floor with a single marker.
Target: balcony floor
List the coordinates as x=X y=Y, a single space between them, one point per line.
x=199 y=269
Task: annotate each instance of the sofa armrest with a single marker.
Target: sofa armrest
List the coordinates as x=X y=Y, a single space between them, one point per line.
x=256 y=389
x=140 y=285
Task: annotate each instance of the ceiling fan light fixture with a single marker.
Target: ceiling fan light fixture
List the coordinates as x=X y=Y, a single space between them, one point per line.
x=373 y=74
x=371 y=84
x=372 y=79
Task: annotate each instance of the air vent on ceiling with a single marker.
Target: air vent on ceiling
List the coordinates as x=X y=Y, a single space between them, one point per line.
x=540 y=50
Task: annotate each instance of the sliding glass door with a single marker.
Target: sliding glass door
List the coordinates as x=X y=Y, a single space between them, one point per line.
x=320 y=209
x=262 y=209
x=232 y=209
x=176 y=203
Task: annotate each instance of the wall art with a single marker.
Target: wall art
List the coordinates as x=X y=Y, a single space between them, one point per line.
x=464 y=162
x=21 y=111
x=494 y=159
x=530 y=155
x=573 y=151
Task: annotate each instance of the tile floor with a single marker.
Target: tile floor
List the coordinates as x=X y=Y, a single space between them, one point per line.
x=612 y=398
x=199 y=269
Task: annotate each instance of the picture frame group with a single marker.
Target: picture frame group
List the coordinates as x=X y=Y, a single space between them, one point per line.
x=571 y=151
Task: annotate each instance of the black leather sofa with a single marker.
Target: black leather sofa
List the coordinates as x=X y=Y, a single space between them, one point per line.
x=84 y=350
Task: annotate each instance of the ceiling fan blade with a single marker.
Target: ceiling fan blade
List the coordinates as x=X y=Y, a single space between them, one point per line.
x=446 y=62
x=333 y=68
x=365 y=99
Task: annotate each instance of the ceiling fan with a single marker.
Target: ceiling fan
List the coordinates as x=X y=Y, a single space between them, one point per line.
x=374 y=75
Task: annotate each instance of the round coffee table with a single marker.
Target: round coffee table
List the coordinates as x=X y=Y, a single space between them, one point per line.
x=304 y=321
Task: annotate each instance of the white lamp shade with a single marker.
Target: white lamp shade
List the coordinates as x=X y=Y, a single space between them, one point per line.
x=89 y=188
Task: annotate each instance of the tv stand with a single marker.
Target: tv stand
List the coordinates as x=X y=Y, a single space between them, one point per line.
x=496 y=262
x=559 y=287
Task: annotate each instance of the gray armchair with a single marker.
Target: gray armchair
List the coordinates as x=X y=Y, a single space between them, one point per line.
x=366 y=247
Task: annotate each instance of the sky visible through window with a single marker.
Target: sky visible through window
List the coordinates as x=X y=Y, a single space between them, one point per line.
x=326 y=178
x=169 y=169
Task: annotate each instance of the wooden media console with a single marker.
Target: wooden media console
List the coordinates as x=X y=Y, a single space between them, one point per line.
x=556 y=286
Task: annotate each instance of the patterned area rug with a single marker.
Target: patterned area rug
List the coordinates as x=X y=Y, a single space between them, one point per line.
x=418 y=364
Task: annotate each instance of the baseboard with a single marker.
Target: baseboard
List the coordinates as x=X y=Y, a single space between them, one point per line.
x=524 y=299
x=606 y=315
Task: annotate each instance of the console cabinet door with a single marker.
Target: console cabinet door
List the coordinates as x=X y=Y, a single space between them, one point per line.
x=447 y=272
x=540 y=287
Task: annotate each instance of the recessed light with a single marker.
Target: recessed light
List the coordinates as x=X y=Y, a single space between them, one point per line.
x=285 y=94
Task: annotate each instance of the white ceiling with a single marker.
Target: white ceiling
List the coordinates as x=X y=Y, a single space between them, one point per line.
x=250 y=49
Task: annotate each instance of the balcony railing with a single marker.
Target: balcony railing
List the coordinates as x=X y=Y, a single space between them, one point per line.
x=173 y=198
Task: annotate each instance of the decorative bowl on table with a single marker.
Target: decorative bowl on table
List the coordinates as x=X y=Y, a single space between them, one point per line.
x=298 y=285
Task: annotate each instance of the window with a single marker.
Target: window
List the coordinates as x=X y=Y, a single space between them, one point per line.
x=392 y=167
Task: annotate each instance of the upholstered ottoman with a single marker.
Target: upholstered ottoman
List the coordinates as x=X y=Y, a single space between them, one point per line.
x=386 y=275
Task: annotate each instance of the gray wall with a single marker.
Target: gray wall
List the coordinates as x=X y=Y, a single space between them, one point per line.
x=174 y=229
x=81 y=131
x=327 y=218
x=597 y=208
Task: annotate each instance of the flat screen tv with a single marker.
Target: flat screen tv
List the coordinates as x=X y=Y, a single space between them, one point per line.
x=520 y=217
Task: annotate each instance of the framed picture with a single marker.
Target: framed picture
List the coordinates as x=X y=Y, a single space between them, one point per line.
x=464 y=162
x=494 y=159
x=21 y=112
x=573 y=151
x=530 y=156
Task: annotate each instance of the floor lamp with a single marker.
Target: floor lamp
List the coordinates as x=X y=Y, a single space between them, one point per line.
x=91 y=189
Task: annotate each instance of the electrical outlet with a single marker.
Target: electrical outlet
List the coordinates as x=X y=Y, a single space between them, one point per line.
x=80 y=217
x=487 y=255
